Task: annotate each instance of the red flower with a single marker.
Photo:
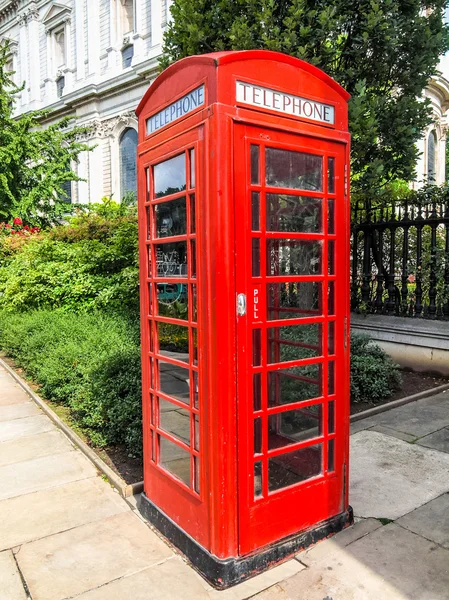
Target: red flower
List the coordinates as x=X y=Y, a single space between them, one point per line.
x=17 y=221
x=8 y=226
x=26 y=228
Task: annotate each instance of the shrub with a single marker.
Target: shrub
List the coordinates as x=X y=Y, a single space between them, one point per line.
x=374 y=376
x=88 y=362
x=89 y=265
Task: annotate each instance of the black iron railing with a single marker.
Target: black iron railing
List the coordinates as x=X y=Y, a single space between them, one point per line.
x=400 y=258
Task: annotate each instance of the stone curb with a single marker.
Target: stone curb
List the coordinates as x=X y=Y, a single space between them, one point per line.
x=396 y=403
x=126 y=490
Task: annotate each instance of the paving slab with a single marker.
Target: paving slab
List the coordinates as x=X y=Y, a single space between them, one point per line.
x=34 y=516
x=171 y=580
x=84 y=558
x=438 y=440
x=44 y=473
x=417 y=418
x=11 y=393
x=19 y=411
x=33 y=446
x=391 y=563
x=406 y=437
x=390 y=477
x=334 y=544
x=11 y=587
x=18 y=428
x=430 y=521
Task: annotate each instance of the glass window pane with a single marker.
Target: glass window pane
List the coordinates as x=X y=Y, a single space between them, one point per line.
x=195 y=390
x=331 y=456
x=331 y=417
x=294 y=426
x=171 y=218
x=257 y=391
x=196 y=461
x=169 y=176
x=254 y=165
x=256 y=257
x=257 y=350
x=331 y=338
x=331 y=257
x=255 y=202
x=294 y=385
x=175 y=459
x=194 y=302
x=192 y=214
x=172 y=300
x=193 y=258
x=257 y=479
x=293 y=343
x=297 y=170
x=174 y=341
x=174 y=420
x=294 y=213
x=331 y=299
x=293 y=300
x=257 y=436
x=148 y=213
x=331 y=378
x=174 y=381
x=293 y=257
x=171 y=259
x=331 y=175
x=330 y=216
x=192 y=167
x=196 y=424
x=293 y=467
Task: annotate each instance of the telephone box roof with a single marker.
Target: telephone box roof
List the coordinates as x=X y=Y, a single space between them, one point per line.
x=218 y=59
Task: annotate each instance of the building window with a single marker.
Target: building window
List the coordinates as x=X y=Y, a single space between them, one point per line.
x=67 y=195
x=60 y=83
x=60 y=51
x=431 y=163
x=128 y=162
x=127 y=56
x=127 y=16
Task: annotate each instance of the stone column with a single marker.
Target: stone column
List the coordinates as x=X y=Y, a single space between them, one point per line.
x=50 y=92
x=79 y=40
x=23 y=49
x=93 y=37
x=441 y=155
x=70 y=67
x=156 y=23
x=33 y=40
x=138 y=40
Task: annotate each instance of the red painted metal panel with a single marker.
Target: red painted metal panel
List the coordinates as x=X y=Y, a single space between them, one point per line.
x=224 y=516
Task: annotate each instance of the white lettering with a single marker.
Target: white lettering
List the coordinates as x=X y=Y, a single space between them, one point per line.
x=256 y=95
x=176 y=110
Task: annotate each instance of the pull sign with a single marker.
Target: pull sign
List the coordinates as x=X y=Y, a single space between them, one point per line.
x=241 y=305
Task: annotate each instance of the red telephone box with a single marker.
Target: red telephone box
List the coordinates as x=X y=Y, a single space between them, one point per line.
x=244 y=253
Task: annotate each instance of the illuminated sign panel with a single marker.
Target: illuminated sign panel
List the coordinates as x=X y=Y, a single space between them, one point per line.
x=256 y=95
x=176 y=110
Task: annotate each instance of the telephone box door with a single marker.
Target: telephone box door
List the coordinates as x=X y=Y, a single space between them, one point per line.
x=292 y=307
x=171 y=300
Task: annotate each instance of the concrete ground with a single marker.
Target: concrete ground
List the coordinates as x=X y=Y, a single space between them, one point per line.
x=65 y=533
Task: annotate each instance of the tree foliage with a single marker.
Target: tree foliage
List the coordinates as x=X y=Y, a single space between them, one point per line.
x=382 y=51
x=35 y=161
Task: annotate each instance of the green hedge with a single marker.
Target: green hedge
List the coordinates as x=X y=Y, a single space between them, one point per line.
x=87 y=362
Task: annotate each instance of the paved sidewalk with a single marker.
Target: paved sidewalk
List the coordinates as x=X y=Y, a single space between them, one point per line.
x=65 y=533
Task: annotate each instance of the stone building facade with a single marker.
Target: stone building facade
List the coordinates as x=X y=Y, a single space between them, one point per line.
x=94 y=59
